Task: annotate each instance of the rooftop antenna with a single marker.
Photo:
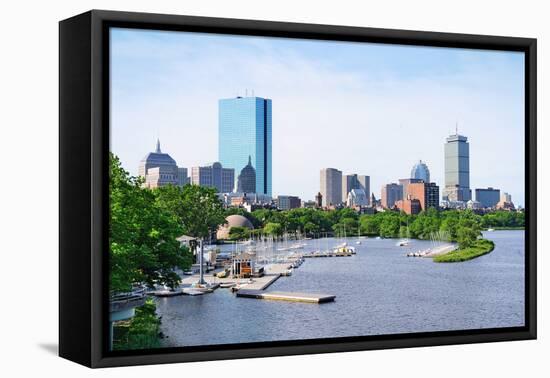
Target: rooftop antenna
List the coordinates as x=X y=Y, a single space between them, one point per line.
x=246 y=93
x=456 y=128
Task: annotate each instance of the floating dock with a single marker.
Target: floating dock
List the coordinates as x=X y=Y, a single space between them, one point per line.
x=281 y=296
x=326 y=254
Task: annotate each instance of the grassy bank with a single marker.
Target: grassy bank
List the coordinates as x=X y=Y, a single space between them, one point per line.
x=140 y=332
x=480 y=248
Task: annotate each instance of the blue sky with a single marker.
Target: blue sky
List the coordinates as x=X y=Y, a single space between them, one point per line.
x=362 y=108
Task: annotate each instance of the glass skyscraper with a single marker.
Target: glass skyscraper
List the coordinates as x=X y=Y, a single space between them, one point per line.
x=244 y=129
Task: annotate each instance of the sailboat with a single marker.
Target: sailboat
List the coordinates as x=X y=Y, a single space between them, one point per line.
x=359 y=234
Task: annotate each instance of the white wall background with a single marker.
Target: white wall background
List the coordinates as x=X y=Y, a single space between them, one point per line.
x=29 y=186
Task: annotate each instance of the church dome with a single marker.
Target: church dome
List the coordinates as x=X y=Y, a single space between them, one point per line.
x=246 y=182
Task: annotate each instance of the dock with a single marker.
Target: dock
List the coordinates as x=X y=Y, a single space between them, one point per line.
x=282 y=296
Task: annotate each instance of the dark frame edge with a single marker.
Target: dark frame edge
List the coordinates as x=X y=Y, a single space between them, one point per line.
x=75 y=271
x=531 y=181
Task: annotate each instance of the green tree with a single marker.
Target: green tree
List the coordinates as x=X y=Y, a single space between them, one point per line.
x=142 y=236
x=469 y=229
x=238 y=233
x=273 y=229
x=198 y=208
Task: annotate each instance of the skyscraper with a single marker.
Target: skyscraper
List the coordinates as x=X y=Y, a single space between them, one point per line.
x=391 y=193
x=457 y=169
x=244 y=125
x=420 y=171
x=331 y=186
x=355 y=181
x=214 y=176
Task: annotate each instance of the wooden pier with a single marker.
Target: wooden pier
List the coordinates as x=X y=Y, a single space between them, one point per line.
x=281 y=296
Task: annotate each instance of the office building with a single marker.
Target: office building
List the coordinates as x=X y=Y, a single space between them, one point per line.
x=244 y=125
x=160 y=176
x=214 y=176
x=288 y=202
x=405 y=184
x=488 y=198
x=159 y=169
x=355 y=181
x=420 y=171
x=457 y=169
x=183 y=178
x=409 y=206
x=505 y=197
x=331 y=186
x=390 y=194
x=426 y=193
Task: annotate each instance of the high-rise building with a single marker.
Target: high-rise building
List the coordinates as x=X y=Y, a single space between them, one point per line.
x=390 y=194
x=246 y=182
x=159 y=169
x=183 y=178
x=244 y=125
x=420 y=171
x=214 y=176
x=160 y=176
x=355 y=181
x=505 y=197
x=288 y=202
x=488 y=197
x=331 y=186
x=405 y=184
x=409 y=206
x=426 y=193
x=457 y=169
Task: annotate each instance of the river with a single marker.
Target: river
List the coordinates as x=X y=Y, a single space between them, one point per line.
x=378 y=291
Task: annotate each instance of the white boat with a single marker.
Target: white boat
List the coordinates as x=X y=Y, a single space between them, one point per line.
x=358 y=242
x=402 y=243
x=490 y=229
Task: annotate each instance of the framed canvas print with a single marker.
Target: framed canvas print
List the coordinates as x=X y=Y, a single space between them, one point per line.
x=236 y=188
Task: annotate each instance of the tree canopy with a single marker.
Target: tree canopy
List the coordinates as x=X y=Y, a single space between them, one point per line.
x=142 y=236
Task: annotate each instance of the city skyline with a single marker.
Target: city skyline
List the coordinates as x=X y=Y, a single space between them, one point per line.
x=401 y=113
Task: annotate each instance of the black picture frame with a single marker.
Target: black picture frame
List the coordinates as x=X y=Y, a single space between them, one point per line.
x=83 y=181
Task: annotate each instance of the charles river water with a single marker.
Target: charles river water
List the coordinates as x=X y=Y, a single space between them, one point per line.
x=378 y=291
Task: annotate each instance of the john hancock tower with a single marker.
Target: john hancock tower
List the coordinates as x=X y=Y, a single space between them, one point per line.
x=245 y=130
